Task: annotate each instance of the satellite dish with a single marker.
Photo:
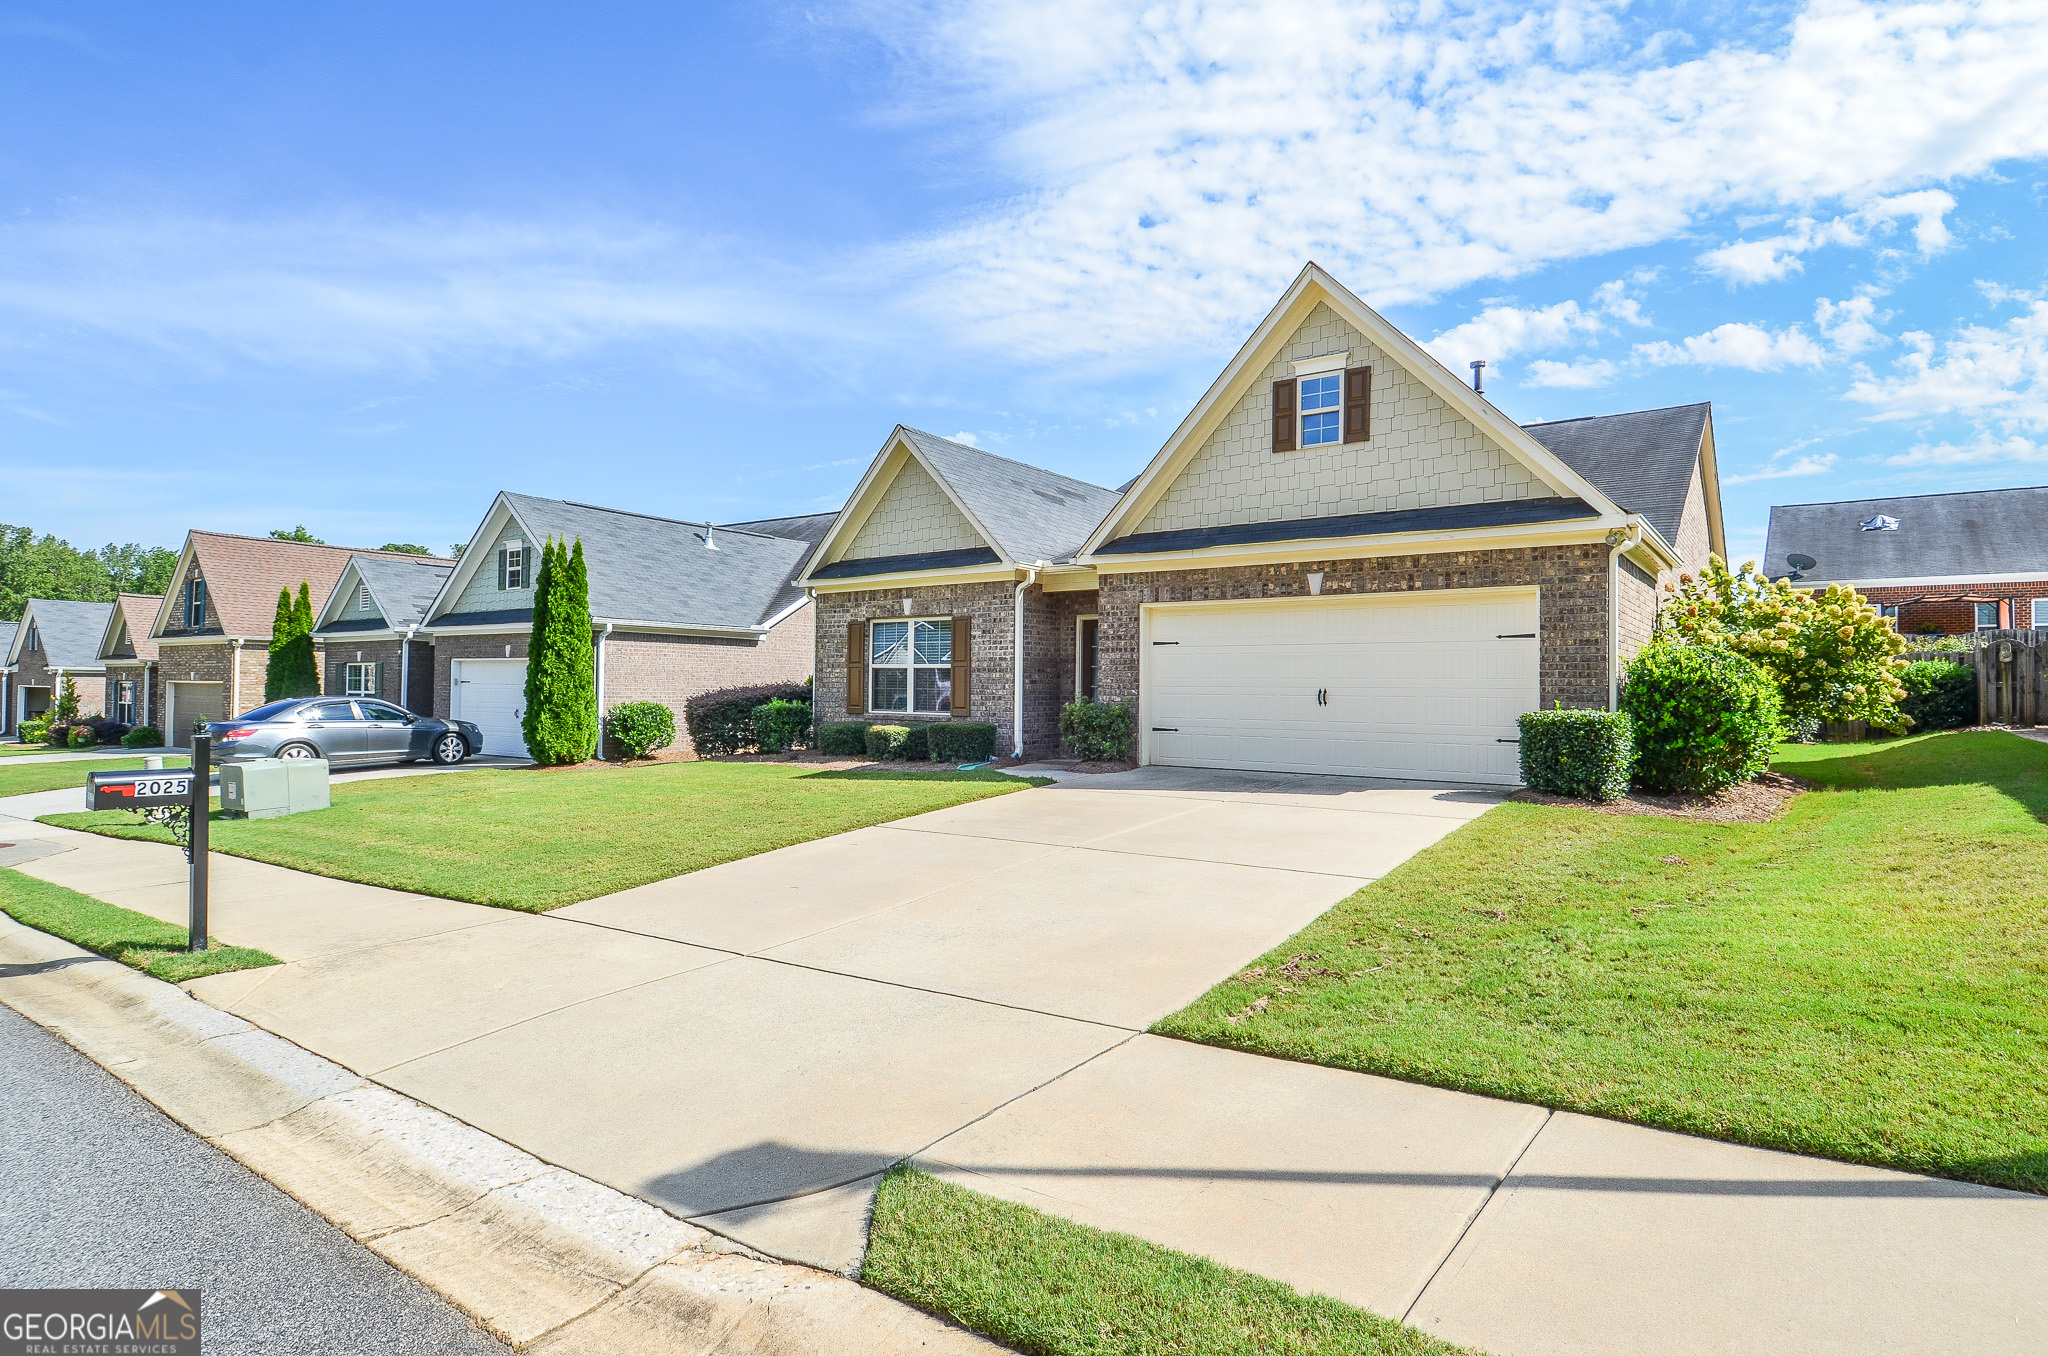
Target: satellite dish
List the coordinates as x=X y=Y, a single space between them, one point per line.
x=1799 y=562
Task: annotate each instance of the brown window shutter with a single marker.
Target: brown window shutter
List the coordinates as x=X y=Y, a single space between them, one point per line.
x=856 y=668
x=1283 y=415
x=963 y=667
x=1357 y=404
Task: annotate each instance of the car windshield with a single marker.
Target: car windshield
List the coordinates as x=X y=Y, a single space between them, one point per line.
x=270 y=710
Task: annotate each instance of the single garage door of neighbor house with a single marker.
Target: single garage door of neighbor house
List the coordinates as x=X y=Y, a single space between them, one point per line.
x=190 y=703
x=1425 y=685
x=491 y=693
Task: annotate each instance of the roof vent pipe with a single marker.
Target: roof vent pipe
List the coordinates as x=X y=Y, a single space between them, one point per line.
x=1478 y=366
x=710 y=543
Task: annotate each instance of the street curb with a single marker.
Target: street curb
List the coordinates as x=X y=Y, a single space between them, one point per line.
x=546 y=1260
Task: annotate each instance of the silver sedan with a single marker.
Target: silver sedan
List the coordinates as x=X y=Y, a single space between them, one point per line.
x=344 y=731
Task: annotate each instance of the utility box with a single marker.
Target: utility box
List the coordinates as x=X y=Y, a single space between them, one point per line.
x=264 y=788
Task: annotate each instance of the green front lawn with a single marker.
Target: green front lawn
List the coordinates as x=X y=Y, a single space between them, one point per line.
x=135 y=939
x=536 y=839
x=1050 y=1287
x=19 y=781
x=1865 y=978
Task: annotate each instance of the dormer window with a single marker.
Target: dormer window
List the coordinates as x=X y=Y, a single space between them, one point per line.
x=195 y=603
x=512 y=565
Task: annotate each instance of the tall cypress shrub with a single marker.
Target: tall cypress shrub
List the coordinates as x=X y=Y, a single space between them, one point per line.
x=561 y=721
x=294 y=671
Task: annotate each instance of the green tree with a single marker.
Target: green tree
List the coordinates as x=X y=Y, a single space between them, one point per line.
x=561 y=720
x=66 y=709
x=138 y=569
x=294 y=666
x=298 y=533
x=405 y=548
x=49 y=567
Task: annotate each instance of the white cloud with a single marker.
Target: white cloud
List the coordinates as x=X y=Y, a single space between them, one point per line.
x=1982 y=450
x=1778 y=256
x=1503 y=331
x=1816 y=465
x=1990 y=372
x=1737 y=344
x=1179 y=162
x=1545 y=372
x=968 y=438
x=1846 y=325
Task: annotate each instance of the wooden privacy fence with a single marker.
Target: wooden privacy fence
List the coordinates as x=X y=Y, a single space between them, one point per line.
x=2012 y=677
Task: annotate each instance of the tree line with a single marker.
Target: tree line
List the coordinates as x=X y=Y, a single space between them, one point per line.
x=47 y=566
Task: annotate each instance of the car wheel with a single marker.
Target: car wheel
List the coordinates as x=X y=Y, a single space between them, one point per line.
x=297 y=751
x=450 y=749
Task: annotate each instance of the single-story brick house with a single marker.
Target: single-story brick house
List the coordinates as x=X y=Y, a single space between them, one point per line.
x=133 y=696
x=213 y=630
x=1942 y=564
x=1343 y=560
x=679 y=608
x=368 y=630
x=55 y=638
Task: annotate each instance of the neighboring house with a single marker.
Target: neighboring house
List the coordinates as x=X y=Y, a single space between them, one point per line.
x=1942 y=564
x=679 y=608
x=368 y=629
x=55 y=638
x=213 y=631
x=7 y=630
x=134 y=695
x=1344 y=560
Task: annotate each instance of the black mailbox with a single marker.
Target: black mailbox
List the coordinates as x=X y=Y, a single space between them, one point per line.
x=138 y=790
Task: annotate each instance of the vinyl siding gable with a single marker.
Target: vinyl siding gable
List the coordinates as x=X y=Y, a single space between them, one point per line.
x=482 y=593
x=1422 y=453
x=912 y=516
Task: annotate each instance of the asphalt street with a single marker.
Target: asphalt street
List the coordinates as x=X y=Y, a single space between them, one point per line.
x=99 y=1188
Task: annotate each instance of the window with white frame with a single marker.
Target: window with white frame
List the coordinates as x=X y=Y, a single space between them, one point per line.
x=910 y=665
x=361 y=680
x=124 y=702
x=195 y=603
x=512 y=565
x=2040 y=613
x=1987 y=616
x=1322 y=413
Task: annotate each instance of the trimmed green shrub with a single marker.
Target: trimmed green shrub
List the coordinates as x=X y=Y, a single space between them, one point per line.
x=844 y=737
x=57 y=734
x=640 y=728
x=294 y=668
x=143 y=737
x=780 y=726
x=1585 y=754
x=81 y=737
x=1939 y=695
x=722 y=721
x=1098 y=732
x=1705 y=718
x=961 y=741
x=32 y=731
x=894 y=742
x=561 y=722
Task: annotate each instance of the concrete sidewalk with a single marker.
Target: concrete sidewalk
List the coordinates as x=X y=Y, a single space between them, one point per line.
x=750 y=1045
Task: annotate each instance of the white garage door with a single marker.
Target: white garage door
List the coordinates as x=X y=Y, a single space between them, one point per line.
x=1422 y=685
x=491 y=693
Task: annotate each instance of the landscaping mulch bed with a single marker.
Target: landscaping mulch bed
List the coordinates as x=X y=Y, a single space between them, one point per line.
x=1757 y=802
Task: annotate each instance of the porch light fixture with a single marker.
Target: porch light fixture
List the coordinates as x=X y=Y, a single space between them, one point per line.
x=1315 y=583
x=907 y=604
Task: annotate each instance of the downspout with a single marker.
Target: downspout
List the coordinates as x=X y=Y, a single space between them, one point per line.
x=599 y=666
x=1618 y=541
x=234 y=677
x=1017 y=683
x=146 y=667
x=405 y=668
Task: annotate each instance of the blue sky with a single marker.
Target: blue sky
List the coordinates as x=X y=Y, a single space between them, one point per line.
x=360 y=269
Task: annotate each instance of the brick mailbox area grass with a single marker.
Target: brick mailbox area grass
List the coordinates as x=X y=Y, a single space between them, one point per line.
x=1865 y=978
x=540 y=838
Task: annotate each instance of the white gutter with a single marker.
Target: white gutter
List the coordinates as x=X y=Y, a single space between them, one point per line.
x=599 y=666
x=234 y=678
x=405 y=668
x=1618 y=541
x=1017 y=683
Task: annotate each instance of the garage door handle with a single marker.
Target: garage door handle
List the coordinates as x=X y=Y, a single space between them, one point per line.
x=1517 y=635
x=1507 y=741
x=1166 y=642
x=1166 y=729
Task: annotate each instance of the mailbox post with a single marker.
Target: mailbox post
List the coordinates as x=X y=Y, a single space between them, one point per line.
x=168 y=796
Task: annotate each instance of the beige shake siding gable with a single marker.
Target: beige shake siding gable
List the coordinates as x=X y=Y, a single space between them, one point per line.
x=913 y=515
x=1422 y=454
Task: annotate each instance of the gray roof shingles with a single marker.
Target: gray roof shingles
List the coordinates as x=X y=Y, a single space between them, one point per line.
x=1033 y=514
x=1643 y=460
x=661 y=570
x=1975 y=532
x=70 y=632
x=402 y=588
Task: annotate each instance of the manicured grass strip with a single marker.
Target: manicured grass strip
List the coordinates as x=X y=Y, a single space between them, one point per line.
x=1053 y=1288
x=19 y=781
x=539 y=838
x=1864 y=979
x=134 y=939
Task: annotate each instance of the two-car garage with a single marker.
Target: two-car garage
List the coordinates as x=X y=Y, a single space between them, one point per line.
x=1424 y=685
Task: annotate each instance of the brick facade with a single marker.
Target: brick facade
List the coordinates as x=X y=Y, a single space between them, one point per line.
x=215 y=662
x=419 y=673
x=1636 y=613
x=450 y=647
x=149 y=692
x=1572 y=580
x=35 y=672
x=645 y=667
x=1948 y=609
